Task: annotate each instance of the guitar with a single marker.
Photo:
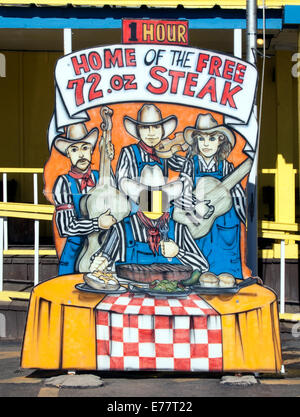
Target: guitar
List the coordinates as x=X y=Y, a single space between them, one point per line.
x=213 y=200
x=102 y=197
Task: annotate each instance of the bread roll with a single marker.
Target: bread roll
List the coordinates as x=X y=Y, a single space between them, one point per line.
x=208 y=279
x=226 y=280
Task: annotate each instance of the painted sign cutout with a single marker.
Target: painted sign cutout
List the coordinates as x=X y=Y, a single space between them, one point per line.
x=150 y=149
x=206 y=220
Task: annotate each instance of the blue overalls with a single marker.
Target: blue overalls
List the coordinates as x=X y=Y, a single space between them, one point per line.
x=73 y=244
x=140 y=163
x=221 y=246
x=140 y=166
x=140 y=252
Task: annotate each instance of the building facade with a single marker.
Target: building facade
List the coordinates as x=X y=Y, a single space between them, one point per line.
x=33 y=37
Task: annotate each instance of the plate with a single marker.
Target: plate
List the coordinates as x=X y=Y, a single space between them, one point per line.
x=198 y=289
x=121 y=281
x=156 y=293
x=86 y=288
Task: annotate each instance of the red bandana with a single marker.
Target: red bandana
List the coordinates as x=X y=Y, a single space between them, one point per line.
x=153 y=231
x=86 y=178
x=150 y=150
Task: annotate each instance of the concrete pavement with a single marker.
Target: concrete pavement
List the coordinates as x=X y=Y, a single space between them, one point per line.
x=121 y=386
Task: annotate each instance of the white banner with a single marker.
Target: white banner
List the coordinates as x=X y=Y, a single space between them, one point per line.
x=152 y=73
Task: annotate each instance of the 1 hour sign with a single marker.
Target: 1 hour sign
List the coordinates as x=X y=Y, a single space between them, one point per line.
x=172 y=32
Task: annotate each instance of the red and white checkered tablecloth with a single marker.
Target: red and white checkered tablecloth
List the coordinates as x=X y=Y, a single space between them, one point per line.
x=146 y=333
x=129 y=303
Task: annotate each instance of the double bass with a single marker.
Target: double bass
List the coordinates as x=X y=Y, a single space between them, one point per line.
x=104 y=196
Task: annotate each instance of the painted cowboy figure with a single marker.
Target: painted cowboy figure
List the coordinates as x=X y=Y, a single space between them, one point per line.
x=150 y=235
x=78 y=146
x=149 y=128
x=210 y=145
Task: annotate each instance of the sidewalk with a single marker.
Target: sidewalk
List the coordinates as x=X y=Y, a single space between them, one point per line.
x=15 y=382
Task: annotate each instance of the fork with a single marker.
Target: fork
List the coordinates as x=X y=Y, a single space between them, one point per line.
x=164 y=234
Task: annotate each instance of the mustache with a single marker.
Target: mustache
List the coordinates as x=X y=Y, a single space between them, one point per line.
x=82 y=160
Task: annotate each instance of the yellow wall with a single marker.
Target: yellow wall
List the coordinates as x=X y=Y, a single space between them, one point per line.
x=26 y=106
x=279 y=132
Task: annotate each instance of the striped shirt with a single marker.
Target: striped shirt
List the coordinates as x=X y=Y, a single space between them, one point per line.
x=67 y=221
x=127 y=164
x=187 y=200
x=115 y=248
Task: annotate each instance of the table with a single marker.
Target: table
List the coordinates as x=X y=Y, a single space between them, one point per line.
x=139 y=332
x=61 y=328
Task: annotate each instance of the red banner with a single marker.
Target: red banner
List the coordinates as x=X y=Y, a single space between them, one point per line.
x=172 y=32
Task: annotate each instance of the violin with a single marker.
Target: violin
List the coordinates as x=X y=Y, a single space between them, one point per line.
x=102 y=197
x=168 y=147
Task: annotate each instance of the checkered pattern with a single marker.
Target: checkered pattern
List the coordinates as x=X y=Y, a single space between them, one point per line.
x=142 y=304
x=169 y=342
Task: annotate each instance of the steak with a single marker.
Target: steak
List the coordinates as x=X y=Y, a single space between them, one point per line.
x=149 y=273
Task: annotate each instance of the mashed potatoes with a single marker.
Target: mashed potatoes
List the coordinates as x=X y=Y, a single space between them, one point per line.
x=101 y=281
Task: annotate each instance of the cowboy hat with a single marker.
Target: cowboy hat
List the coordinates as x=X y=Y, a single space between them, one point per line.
x=76 y=133
x=151 y=179
x=150 y=115
x=205 y=123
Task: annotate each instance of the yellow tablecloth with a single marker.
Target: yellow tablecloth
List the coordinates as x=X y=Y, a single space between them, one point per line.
x=61 y=328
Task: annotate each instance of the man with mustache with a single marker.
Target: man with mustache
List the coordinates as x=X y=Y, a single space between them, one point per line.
x=78 y=146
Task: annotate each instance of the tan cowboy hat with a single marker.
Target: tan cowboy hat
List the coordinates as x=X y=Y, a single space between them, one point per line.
x=151 y=179
x=76 y=133
x=207 y=124
x=150 y=115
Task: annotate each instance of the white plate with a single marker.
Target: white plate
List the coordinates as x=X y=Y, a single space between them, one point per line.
x=86 y=288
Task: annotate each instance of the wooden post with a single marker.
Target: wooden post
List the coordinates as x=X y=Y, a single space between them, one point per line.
x=67 y=41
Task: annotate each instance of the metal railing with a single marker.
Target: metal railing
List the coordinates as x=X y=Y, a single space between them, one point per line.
x=275 y=232
x=34 y=211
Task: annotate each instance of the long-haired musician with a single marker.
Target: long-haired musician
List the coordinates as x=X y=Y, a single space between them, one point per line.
x=210 y=144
